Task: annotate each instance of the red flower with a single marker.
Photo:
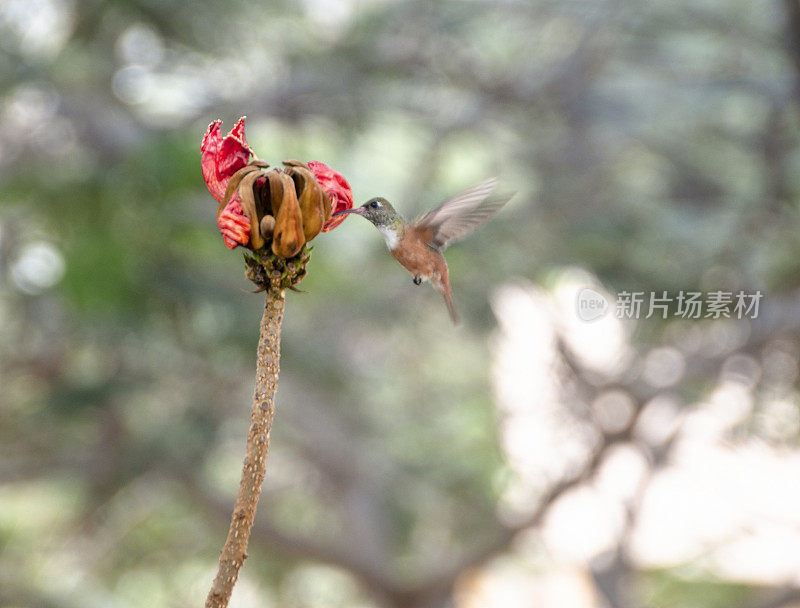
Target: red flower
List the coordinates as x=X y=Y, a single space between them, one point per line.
x=221 y=157
x=337 y=189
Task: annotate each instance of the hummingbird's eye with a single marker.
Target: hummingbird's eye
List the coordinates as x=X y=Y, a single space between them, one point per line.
x=374 y=204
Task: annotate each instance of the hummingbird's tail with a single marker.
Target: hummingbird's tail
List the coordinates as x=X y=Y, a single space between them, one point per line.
x=443 y=287
x=451 y=307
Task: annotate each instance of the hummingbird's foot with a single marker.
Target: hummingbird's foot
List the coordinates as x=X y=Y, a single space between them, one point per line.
x=417 y=279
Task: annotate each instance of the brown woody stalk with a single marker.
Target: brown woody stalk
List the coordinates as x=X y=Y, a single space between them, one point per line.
x=234 y=551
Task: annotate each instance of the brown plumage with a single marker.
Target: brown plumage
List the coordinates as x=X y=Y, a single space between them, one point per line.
x=426 y=263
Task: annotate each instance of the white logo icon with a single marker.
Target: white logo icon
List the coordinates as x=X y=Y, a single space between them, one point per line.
x=591 y=304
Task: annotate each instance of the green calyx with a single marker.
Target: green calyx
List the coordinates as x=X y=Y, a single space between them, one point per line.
x=269 y=271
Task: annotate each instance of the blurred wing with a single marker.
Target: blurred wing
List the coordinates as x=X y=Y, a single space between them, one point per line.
x=468 y=199
x=460 y=216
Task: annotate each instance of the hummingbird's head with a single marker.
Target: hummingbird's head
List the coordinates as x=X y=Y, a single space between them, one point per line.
x=377 y=210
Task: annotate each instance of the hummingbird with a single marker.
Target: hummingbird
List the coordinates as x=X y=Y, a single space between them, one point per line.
x=418 y=245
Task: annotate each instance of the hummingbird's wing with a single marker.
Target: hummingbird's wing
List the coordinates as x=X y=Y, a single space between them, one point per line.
x=460 y=216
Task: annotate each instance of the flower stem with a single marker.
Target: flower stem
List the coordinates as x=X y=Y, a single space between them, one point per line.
x=234 y=551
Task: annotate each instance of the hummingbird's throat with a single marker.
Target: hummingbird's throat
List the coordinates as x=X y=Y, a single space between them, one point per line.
x=390 y=236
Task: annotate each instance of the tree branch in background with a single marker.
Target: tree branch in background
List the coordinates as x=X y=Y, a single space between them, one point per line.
x=234 y=551
x=793 y=38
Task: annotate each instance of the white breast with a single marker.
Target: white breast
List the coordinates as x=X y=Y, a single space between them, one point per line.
x=390 y=236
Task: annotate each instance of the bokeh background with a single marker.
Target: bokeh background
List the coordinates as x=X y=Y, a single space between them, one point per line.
x=526 y=459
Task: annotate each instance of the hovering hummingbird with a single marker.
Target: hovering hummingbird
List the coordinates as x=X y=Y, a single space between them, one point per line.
x=418 y=245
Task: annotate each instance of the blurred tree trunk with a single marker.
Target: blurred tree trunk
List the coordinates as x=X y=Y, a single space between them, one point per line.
x=793 y=39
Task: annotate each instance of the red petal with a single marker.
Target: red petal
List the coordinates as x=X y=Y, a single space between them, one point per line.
x=238 y=131
x=212 y=138
x=342 y=181
x=337 y=189
x=232 y=156
x=233 y=224
x=209 y=149
x=221 y=157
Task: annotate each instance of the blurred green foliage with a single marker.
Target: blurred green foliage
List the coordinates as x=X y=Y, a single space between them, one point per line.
x=653 y=144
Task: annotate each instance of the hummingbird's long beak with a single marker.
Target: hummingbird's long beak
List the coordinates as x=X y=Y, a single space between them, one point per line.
x=357 y=211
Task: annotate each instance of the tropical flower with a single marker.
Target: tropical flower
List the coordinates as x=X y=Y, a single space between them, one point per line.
x=279 y=208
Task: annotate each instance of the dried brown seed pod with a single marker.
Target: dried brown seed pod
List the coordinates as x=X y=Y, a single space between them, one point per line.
x=310 y=197
x=288 y=237
x=250 y=208
x=313 y=210
x=326 y=204
x=275 y=183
